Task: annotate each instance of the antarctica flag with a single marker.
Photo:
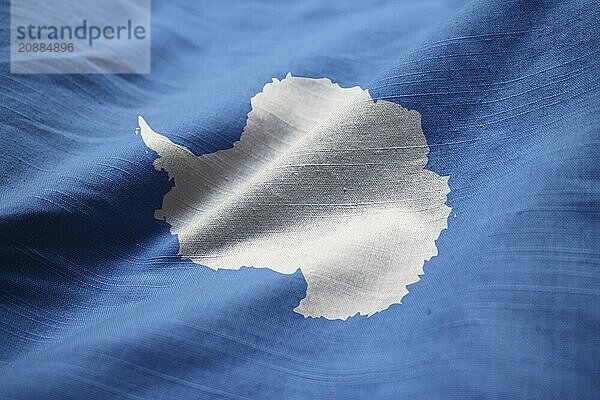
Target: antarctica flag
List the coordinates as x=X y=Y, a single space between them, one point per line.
x=300 y=200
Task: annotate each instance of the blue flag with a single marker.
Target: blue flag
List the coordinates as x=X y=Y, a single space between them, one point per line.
x=301 y=200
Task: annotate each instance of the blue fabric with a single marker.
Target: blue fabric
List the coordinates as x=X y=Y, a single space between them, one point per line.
x=95 y=303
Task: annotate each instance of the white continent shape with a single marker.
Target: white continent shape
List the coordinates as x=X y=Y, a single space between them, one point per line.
x=323 y=179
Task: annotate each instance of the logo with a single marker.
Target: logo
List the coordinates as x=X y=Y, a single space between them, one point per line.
x=80 y=36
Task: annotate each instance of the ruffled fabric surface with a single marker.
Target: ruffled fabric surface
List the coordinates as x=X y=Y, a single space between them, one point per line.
x=96 y=303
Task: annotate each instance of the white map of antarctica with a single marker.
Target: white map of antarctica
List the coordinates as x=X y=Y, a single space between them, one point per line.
x=323 y=179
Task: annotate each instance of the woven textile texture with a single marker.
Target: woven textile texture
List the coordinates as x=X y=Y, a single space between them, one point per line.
x=130 y=269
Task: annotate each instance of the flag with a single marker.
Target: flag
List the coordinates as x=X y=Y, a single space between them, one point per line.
x=307 y=200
